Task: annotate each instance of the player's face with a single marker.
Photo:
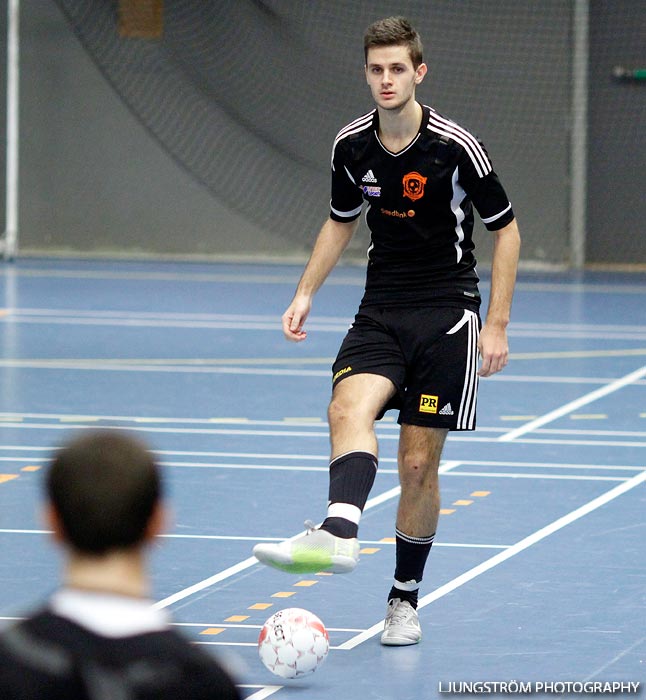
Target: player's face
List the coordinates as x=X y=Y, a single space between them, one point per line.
x=392 y=77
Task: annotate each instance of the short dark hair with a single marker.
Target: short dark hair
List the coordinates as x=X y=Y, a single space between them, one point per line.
x=104 y=486
x=394 y=31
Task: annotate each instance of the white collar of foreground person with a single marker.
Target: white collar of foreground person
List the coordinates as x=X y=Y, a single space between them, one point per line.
x=108 y=614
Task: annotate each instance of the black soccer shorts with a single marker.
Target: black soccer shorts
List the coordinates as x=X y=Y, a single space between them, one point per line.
x=430 y=354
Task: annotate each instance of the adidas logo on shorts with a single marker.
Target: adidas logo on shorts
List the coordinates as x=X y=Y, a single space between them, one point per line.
x=446 y=410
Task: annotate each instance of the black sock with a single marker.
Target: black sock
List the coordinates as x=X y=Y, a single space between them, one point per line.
x=351 y=478
x=411 y=555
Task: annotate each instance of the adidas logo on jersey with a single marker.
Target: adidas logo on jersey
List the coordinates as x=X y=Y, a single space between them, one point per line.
x=369 y=177
x=447 y=410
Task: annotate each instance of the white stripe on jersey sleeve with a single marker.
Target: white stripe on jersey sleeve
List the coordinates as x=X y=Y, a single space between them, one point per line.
x=360 y=124
x=357 y=122
x=346 y=214
x=489 y=219
x=445 y=127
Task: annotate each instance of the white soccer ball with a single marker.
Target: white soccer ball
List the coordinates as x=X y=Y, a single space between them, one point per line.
x=293 y=642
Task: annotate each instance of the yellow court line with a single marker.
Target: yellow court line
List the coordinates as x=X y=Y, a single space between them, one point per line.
x=303 y=419
x=518 y=418
x=632 y=352
x=588 y=416
x=291 y=361
x=76 y=419
x=300 y=361
x=7 y=477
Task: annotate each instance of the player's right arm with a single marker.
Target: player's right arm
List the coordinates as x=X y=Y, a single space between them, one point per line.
x=332 y=240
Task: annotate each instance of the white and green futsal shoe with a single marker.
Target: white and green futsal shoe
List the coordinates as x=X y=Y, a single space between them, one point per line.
x=316 y=550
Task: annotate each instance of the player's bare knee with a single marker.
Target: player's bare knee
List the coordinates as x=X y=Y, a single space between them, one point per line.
x=417 y=470
x=338 y=412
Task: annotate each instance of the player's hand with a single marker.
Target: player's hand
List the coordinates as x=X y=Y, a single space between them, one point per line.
x=294 y=319
x=494 y=350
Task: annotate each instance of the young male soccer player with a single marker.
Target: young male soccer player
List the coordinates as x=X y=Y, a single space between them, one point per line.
x=98 y=637
x=415 y=340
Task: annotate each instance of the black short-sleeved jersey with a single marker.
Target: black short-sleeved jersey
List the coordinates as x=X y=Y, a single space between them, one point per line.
x=420 y=208
x=48 y=657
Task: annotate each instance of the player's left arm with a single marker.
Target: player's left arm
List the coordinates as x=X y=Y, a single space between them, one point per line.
x=493 y=345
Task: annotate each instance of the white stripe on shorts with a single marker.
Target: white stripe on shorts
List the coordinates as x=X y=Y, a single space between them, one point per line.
x=467 y=410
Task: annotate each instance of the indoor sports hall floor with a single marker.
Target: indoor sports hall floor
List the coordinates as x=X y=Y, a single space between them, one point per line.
x=539 y=568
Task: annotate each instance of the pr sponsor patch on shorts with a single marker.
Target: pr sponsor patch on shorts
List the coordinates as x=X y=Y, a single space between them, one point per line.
x=427 y=403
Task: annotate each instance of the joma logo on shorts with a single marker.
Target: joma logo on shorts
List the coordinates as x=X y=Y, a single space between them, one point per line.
x=427 y=403
x=341 y=372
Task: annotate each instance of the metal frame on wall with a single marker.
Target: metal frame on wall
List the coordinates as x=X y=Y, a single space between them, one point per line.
x=9 y=242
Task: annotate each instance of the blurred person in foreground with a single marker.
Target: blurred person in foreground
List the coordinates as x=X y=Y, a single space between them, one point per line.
x=99 y=635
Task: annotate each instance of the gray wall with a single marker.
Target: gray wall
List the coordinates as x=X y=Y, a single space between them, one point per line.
x=95 y=179
x=92 y=178
x=617 y=117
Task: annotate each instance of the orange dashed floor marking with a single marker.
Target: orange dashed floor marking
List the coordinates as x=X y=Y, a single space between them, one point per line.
x=237 y=618
x=284 y=594
x=7 y=477
x=306 y=583
x=212 y=630
x=260 y=606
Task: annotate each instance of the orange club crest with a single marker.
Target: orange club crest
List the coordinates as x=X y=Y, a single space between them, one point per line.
x=414 y=186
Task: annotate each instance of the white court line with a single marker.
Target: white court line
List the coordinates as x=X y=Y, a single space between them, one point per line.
x=249 y=538
x=508 y=553
x=555 y=477
x=325 y=457
x=254 y=627
x=307 y=434
x=346 y=275
x=553 y=465
x=614 y=660
x=264 y=692
x=250 y=561
x=318 y=423
x=573 y=405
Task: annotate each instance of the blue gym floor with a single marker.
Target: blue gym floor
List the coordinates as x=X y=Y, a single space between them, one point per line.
x=539 y=568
